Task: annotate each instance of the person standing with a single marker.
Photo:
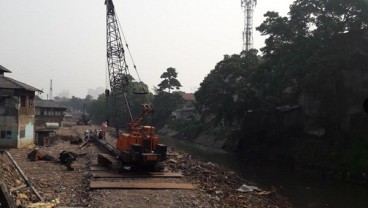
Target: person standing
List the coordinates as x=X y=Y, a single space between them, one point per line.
x=104 y=129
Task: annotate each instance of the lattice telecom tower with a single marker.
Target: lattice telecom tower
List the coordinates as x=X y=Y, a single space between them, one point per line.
x=248 y=6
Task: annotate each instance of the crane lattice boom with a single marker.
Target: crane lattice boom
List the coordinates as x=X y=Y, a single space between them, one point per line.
x=117 y=66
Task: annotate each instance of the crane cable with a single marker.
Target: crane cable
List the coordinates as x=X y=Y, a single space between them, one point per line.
x=130 y=54
x=128 y=106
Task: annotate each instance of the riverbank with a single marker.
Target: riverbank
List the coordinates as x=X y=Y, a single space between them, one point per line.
x=214 y=186
x=333 y=159
x=302 y=188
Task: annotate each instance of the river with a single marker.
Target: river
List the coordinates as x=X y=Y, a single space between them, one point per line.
x=302 y=190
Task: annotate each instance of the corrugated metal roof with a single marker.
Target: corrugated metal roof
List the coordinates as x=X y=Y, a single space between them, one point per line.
x=9 y=83
x=48 y=104
x=3 y=69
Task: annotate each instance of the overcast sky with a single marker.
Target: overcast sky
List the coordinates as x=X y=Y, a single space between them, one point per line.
x=65 y=40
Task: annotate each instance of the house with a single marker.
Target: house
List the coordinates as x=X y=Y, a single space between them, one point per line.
x=188 y=98
x=49 y=117
x=49 y=114
x=17 y=112
x=184 y=113
x=187 y=111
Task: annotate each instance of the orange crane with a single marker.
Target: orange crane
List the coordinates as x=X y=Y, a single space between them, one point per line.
x=138 y=145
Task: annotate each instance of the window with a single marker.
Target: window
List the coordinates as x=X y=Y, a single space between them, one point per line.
x=5 y=135
x=22 y=101
x=22 y=133
x=30 y=103
x=2 y=101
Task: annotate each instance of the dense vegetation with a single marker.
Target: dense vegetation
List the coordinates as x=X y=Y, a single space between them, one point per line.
x=301 y=101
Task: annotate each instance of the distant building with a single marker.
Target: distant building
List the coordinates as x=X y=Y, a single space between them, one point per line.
x=189 y=97
x=184 y=113
x=49 y=117
x=188 y=110
x=17 y=112
x=49 y=113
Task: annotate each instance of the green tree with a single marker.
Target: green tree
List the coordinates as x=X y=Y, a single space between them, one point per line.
x=164 y=104
x=311 y=52
x=97 y=109
x=76 y=103
x=169 y=81
x=138 y=95
x=227 y=91
x=104 y=107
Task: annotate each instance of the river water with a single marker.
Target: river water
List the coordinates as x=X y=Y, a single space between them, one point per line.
x=302 y=190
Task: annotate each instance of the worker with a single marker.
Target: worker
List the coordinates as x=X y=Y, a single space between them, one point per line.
x=96 y=134
x=104 y=129
x=87 y=135
x=100 y=136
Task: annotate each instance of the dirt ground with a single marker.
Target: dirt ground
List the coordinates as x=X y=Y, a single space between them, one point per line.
x=214 y=187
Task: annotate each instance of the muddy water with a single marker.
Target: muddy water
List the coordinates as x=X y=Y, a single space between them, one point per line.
x=302 y=190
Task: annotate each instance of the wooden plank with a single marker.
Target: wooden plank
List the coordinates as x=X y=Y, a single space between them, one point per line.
x=103 y=174
x=135 y=185
x=11 y=190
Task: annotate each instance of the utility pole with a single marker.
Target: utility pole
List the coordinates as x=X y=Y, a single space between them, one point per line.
x=248 y=7
x=50 y=89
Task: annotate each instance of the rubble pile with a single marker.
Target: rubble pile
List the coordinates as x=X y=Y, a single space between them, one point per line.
x=50 y=178
x=221 y=185
x=12 y=179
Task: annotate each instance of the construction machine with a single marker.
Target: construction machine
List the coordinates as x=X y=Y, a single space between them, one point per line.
x=140 y=145
x=84 y=120
x=137 y=145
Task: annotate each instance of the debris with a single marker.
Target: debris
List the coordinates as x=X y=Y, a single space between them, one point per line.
x=76 y=141
x=67 y=158
x=219 y=192
x=17 y=188
x=246 y=188
x=5 y=199
x=173 y=161
x=51 y=204
x=85 y=144
x=36 y=155
x=22 y=196
x=40 y=198
x=262 y=193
